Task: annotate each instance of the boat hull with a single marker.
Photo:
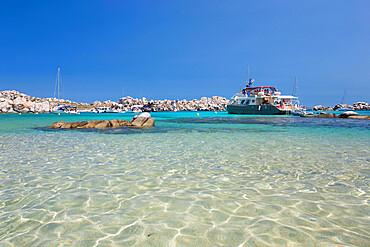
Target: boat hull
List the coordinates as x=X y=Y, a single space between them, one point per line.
x=256 y=110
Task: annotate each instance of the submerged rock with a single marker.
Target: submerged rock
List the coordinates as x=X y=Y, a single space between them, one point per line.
x=360 y=116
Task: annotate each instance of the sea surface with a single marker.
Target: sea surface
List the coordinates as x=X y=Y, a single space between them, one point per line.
x=207 y=180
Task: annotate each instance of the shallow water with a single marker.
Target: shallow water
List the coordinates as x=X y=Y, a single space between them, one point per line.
x=212 y=180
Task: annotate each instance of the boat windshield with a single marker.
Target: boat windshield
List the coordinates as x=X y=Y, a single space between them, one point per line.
x=250 y=91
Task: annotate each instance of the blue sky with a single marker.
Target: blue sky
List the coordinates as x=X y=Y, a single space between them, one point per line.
x=186 y=49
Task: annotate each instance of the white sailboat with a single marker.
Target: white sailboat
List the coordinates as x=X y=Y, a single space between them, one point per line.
x=343 y=103
x=299 y=110
x=62 y=109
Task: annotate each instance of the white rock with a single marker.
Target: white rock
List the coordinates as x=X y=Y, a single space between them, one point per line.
x=145 y=115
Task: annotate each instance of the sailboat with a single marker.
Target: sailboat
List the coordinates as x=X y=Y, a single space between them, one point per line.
x=299 y=110
x=343 y=103
x=62 y=109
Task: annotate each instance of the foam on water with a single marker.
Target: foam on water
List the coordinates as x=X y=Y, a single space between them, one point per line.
x=216 y=182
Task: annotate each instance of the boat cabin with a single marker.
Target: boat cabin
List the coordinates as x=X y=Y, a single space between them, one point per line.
x=66 y=108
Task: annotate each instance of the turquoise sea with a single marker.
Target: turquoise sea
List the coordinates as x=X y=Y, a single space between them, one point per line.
x=207 y=180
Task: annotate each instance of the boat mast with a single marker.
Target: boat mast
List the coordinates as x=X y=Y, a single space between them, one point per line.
x=295 y=88
x=56 y=88
x=343 y=101
x=58 y=82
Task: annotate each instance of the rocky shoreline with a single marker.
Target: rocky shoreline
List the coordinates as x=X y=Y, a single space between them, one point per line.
x=358 y=106
x=12 y=101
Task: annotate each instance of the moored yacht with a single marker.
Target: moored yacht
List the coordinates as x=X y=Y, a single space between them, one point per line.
x=264 y=100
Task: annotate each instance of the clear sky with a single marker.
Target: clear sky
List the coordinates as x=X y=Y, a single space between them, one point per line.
x=186 y=49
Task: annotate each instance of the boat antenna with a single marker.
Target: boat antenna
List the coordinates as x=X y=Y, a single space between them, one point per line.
x=248 y=75
x=295 y=87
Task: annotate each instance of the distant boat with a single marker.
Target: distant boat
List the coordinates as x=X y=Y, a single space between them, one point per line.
x=299 y=110
x=62 y=109
x=66 y=109
x=343 y=102
x=103 y=110
x=136 y=109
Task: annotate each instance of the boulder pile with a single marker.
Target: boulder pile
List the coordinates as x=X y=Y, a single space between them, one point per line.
x=13 y=102
x=204 y=104
x=143 y=120
x=359 y=106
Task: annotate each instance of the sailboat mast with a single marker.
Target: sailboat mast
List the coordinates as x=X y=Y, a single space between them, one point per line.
x=343 y=101
x=58 y=81
x=295 y=88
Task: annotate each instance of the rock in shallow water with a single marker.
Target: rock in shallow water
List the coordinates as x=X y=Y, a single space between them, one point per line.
x=322 y=115
x=143 y=120
x=58 y=125
x=102 y=125
x=348 y=113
